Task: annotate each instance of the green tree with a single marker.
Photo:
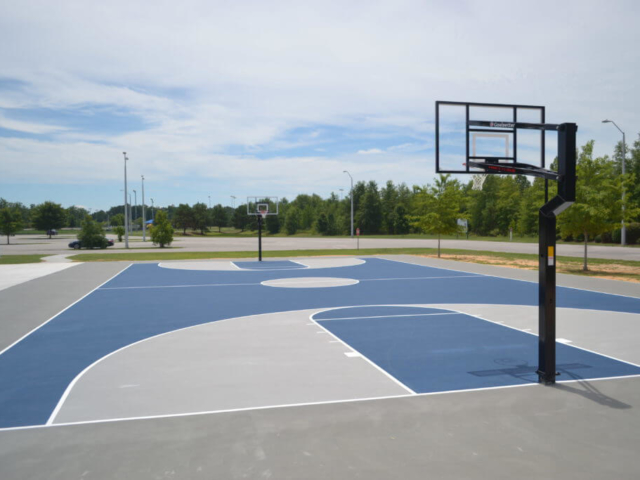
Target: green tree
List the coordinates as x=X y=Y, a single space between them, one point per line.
x=240 y=218
x=75 y=216
x=219 y=217
x=439 y=208
x=91 y=234
x=48 y=216
x=598 y=205
x=400 y=220
x=119 y=231
x=117 y=220
x=292 y=220
x=322 y=223
x=369 y=213
x=183 y=217
x=200 y=217
x=10 y=222
x=162 y=231
x=273 y=224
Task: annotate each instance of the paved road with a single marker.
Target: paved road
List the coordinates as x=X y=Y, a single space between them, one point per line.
x=37 y=244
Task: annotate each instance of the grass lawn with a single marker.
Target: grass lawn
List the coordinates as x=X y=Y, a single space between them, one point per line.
x=603 y=268
x=15 y=259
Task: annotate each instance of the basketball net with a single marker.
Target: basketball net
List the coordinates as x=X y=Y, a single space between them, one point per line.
x=478 y=181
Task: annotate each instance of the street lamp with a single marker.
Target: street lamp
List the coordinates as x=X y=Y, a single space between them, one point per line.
x=144 y=217
x=126 y=216
x=233 y=201
x=130 y=219
x=623 y=233
x=135 y=204
x=351 y=201
x=152 y=212
x=341 y=193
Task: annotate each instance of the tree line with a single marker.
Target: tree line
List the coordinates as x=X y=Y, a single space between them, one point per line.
x=505 y=204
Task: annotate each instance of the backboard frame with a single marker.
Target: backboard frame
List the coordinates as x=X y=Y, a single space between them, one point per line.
x=254 y=202
x=489 y=127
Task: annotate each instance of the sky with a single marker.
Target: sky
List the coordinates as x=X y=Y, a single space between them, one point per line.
x=214 y=99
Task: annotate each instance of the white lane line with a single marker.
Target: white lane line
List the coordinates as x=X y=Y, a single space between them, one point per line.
x=386 y=316
x=447 y=277
x=182 y=286
x=292 y=280
x=308 y=404
x=563 y=340
x=507 y=278
x=64 y=310
x=387 y=374
x=535 y=335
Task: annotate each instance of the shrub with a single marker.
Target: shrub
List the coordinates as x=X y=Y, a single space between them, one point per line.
x=162 y=233
x=633 y=233
x=606 y=237
x=598 y=239
x=91 y=235
x=119 y=231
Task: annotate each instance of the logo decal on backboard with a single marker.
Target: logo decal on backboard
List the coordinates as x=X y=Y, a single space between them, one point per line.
x=502 y=125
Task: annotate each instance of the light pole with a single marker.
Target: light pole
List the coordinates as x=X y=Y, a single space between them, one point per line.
x=152 y=211
x=233 y=201
x=623 y=233
x=351 y=201
x=126 y=216
x=144 y=218
x=341 y=193
x=130 y=219
x=135 y=204
x=209 y=201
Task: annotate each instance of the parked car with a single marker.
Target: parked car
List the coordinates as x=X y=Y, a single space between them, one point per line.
x=52 y=232
x=77 y=244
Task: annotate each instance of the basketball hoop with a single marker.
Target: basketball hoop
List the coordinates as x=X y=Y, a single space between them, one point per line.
x=263 y=210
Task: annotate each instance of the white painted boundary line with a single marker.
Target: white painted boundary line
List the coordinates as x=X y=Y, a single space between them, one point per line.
x=181 y=286
x=505 y=278
x=292 y=279
x=64 y=310
x=308 y=404
x=363 y=356
x=535 y=335
x=389 y=316
x=426 y=306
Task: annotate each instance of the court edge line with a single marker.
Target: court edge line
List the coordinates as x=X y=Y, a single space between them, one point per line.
x=63 y=310
x=506 y=278
x=536 y=335
x=294 y=405
x=295 y=278
x=214 y=260
x=77 y=377
x=388 y=316
x=367 y=359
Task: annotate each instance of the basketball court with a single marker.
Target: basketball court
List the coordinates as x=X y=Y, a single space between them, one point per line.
x=306 y=338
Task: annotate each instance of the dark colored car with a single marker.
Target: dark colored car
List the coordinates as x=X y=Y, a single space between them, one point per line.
x=77 y=244
x=53 y=231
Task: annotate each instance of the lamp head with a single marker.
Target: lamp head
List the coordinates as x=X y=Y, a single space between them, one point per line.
x=606 y=121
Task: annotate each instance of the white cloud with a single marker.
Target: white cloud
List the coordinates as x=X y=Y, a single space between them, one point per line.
x=28 y=127
x=208 y=78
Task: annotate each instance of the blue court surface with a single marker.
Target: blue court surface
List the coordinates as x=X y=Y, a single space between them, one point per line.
x=425 y=349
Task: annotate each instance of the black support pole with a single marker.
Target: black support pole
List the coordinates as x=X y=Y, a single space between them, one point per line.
x=547 y=249
x=547 y=300
x=259 y=238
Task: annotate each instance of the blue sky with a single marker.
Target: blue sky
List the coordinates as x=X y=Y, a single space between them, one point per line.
x=213 y=99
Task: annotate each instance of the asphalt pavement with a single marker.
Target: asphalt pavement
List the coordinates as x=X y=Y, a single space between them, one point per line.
x=40 y=244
